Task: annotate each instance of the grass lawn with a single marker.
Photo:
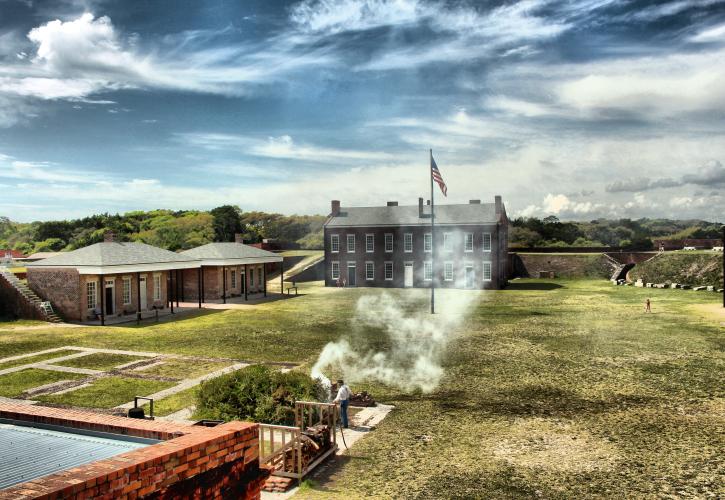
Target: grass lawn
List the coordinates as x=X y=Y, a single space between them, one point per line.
x=14 y=384
x=175 y=402
x=108 y=392
x=184 y=368
x=36 y=358
x=100 y=361
x=555 y=389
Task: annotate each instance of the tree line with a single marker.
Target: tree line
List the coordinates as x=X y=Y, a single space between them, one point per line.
x=171 y=229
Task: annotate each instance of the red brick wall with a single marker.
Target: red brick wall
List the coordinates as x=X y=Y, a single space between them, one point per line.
x=213 y=282
x=194 y=462
x=61 y=287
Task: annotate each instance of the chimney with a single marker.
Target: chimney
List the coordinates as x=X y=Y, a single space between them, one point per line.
x=497 y=200
x=109 y=237
x=392 y=203
x=335 y=208
x=238 y=238
x=427 y=202
x=420 y=207
x=474 y=202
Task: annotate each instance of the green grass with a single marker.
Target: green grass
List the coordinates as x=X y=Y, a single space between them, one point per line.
x=14 y=384
x=557 y=389
x=108 y=392
x=100 y=361
x=184 y=368
x=36 y=358
x=175 y=402
x=689 y=267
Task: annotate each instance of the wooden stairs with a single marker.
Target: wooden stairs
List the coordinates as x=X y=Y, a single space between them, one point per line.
x=30 y=297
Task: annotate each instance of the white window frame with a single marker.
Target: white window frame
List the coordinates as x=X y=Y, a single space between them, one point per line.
x=486 y=248
x=369 y=266
x=369 y=243
x=428 y=270
x=233 y=278
x=408 y=242
x=448 y=268
x=157 y=286
x=489 y=264
x=447 y=242
x=334 y=243
x=92 y=294
x=335 y=270
x=348 y=238
x=428 y=242
x=466 y=237
x=126 y=290
x=389 y=239
x=392 y=274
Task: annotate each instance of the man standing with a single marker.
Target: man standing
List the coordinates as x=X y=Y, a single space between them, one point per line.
x=647 y=306
x=343 y=397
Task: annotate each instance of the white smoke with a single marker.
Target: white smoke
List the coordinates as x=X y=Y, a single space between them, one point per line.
x=417 y=340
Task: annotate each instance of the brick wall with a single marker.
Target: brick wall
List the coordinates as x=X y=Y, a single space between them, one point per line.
x=61 y=287
x=192 y=462
x=14 y=305
x=214 y=282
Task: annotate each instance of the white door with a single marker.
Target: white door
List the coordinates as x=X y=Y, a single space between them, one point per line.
x=408 y=274
x=144 y=303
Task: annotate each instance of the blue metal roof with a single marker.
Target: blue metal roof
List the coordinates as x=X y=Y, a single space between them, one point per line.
x=31 y=452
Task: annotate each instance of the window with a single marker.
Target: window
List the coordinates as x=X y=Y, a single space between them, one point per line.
x=369 y=243
x=335 y=270
x=259 y=277
x=388 y=242
x=334 y=243
x=251 y=277
x=350 y=243
x=91 y=294
x=157 y=287
x=447 y=242
x=233 y=278
x=428 y=242
x=448 y=271
x=486 y=242
x=408 y=242
x=428 y=270
x=369 y=271
x=468 y=242
x=486 y=271
x=389 y=271
x=126 y=290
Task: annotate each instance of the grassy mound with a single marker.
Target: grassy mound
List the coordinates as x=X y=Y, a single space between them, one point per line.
x=690 y=268
x=256 y=393
x=565 y=265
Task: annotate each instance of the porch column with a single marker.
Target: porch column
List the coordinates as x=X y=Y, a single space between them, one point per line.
x=224 y=284
x=103 y=297
x=203 y=291
x=264 y=278
x=183 y=298
x=171 y=290
x=281 y=278
x=246 y=281
x=176 y=293
x=138 y=297
x=198 y=285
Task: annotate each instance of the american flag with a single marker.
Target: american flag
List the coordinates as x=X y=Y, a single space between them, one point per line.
x=436 y=174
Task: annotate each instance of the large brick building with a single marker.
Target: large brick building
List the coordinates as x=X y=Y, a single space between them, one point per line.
x=391 y=246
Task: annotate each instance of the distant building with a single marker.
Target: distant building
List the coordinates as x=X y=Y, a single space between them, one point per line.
x=690 y=243
x=390 y=246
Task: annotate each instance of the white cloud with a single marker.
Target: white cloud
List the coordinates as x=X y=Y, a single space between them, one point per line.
x=713 y=34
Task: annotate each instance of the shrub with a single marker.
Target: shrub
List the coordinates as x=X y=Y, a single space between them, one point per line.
x=256 y=393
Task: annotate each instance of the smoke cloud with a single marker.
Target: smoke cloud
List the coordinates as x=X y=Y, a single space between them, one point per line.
x=417 y=340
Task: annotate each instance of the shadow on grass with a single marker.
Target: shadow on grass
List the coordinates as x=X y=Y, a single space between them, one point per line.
x=533 y=286
x=175 y=318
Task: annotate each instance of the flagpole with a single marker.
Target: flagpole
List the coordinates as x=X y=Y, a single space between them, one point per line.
x=432 y=240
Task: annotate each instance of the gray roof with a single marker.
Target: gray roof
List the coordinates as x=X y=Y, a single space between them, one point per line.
x=224 y=251
x=407 y=215
x=113 y=254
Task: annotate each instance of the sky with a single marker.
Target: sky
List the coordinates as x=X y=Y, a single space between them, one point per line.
x=579 y=109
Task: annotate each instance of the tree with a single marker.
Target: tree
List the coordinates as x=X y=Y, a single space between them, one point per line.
x=227 y=222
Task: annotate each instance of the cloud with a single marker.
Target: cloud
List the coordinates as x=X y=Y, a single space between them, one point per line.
x=714 y=34
x=710 y=174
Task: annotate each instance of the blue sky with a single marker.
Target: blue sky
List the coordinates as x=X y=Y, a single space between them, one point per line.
x=582 y=109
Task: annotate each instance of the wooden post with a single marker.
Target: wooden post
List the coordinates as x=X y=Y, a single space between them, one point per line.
x=203 y=290
x=138 y=297
x=246 y=281
x=224 y=284
x=176 y=292
x=281 y=277
x=103 y=297
x=264 y=278
x=198 y=285
x=171 y=290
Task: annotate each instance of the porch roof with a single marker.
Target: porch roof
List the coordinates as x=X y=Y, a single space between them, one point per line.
x=227 y=254
x=118 y=257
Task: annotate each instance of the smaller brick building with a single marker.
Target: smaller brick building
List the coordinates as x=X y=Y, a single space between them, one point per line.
x=227 y=270
x=107 y=279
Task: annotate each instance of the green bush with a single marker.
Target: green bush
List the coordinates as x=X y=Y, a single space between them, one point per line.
x=256 y=393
